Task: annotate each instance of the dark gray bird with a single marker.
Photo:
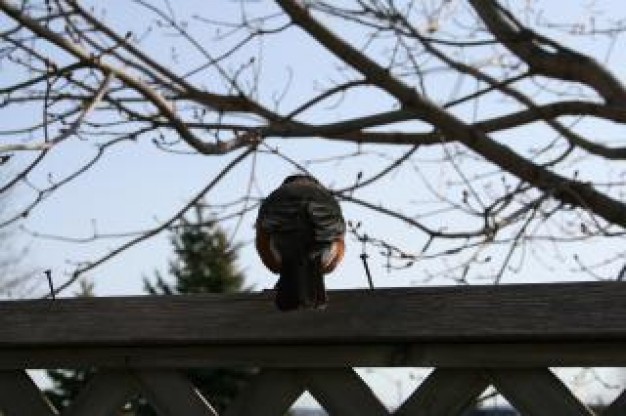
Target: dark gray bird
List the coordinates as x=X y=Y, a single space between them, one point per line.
x=300 y=235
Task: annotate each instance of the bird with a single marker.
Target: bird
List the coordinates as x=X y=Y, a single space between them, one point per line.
x=300 y=233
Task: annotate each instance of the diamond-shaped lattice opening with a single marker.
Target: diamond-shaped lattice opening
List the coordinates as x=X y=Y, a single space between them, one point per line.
x=61 y=386
x=523 y=386
x=138 y=405
x=220 y=386
x=40 y=378
x=596 y=387
x=306 y=405
x=393 y=386
x=491 y=403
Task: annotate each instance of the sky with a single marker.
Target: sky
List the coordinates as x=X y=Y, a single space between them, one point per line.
x=137 y=186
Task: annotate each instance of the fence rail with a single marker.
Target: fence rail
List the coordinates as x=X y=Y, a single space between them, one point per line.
x=505 y=336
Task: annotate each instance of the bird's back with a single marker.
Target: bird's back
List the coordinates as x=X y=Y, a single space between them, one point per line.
x=302 y=206
x=298 y=230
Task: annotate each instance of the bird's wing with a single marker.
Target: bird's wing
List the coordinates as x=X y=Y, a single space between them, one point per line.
x=328 y=223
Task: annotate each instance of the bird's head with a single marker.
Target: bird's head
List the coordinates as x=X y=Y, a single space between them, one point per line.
x=300 y=178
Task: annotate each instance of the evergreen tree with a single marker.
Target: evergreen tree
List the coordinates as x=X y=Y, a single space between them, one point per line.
x=205 y=262
x=66 y=384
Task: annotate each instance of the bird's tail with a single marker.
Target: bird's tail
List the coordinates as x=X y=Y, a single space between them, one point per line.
x=301 y=284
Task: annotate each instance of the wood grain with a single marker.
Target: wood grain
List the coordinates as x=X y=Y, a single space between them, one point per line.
x=342 y=392
x=20 y=396
x=104 y=395
x=445 y=392
x=618 y=407
x=533 y=313
x=271 y=393
x=172 y=394
x=537 y=392
x=445 y=355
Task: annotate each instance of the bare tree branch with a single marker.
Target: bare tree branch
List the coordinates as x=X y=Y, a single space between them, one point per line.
x=481 y=130
x=568 y=191
x=71 y=130
x=547 y=57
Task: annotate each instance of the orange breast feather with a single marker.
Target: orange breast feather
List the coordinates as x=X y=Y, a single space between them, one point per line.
x=264 y=248
x=338 y=249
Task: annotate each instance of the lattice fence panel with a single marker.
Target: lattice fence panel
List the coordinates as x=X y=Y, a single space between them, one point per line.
x=445 y=392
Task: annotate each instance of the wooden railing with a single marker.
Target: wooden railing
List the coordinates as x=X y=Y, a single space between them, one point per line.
x=505 y=336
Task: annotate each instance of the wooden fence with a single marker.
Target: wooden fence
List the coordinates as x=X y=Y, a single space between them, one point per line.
x=505 y=336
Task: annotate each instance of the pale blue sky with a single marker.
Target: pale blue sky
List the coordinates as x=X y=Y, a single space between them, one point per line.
x=136 y=185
